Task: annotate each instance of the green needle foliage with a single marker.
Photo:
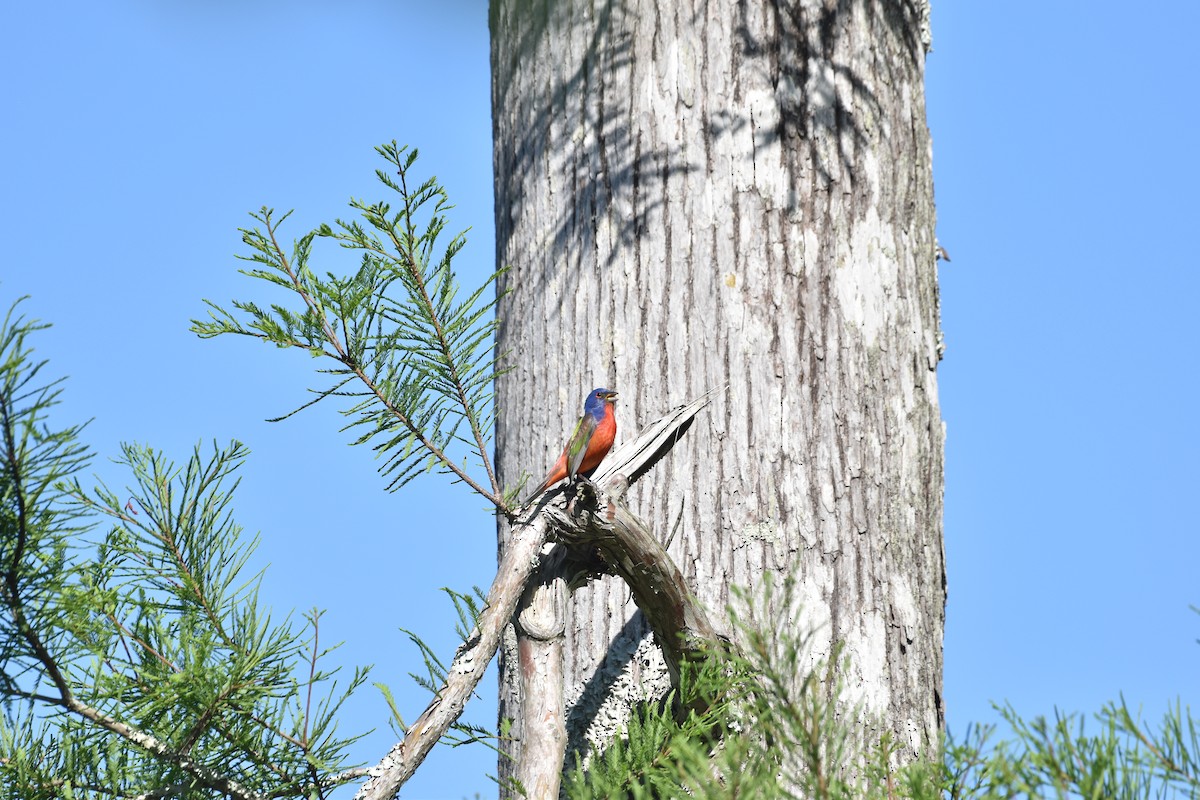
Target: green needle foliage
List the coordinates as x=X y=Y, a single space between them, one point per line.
x=769 y=722
x=136 y=657
x=413 y=359
x=1123 y=759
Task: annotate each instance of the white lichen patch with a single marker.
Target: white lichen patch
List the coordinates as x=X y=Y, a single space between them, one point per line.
x=866 y=277
x=766 y=531
x=639 y=677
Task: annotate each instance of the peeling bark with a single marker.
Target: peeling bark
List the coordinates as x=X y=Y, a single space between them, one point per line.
x=541 y=626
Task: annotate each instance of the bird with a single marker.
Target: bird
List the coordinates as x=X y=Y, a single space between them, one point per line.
x=589 y=444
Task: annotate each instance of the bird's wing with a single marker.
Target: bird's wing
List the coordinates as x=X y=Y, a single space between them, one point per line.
x=578 y=445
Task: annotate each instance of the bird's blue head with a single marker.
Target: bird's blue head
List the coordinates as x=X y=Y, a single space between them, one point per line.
x=596 y=400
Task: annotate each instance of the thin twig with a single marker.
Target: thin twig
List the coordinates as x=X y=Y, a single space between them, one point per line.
x=125 y=632
x=193 y=736
x=312 y=672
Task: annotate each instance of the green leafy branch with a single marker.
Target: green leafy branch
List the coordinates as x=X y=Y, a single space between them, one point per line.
x=139 y=662
x=410 y=356
x=35 y=533
x=1121 y=758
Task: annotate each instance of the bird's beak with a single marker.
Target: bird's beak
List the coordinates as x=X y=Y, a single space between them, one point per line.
x=610 y=396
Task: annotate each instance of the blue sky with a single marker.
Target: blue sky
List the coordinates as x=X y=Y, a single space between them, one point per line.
x=137 y=135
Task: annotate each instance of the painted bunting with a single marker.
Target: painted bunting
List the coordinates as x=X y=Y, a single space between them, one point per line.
x=589 y=444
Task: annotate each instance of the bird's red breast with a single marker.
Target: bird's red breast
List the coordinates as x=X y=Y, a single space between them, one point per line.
x=597 y=448
x=601 y=441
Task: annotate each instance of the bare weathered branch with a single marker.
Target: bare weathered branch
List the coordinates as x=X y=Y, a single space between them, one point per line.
x=521 y=558
x=470 y=661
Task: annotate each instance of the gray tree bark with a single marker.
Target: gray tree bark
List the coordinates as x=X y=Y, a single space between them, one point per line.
x=692 y=194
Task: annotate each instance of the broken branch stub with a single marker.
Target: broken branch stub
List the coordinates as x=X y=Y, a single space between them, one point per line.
x=633 y=459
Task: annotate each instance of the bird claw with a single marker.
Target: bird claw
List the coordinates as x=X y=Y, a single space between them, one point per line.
x=584 y=487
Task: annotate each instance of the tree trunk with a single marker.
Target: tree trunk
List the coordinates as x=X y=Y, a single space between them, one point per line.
x=694 y=194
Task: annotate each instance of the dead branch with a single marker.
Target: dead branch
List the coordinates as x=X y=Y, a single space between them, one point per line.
x=521 y=558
